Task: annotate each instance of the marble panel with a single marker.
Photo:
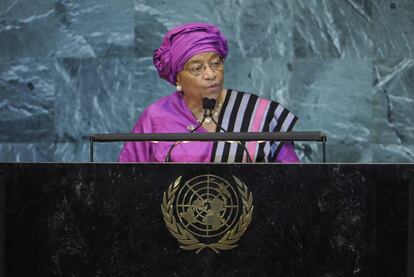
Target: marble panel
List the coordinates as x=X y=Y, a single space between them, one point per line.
x=393 y=27
x=26 y=27
x=104 y=95
x=265 y=38
x=393 y=114
x=27 y=152
x=66 y=28
x=333 y=29
x=106 y=28
x=334 y=96
x=27 y=100
x=66 y=152
x=268 y=78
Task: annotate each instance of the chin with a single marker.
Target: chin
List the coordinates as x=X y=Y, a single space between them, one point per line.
x=213 y=93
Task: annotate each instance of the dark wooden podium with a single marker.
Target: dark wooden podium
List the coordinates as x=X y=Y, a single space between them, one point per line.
x=107 y=220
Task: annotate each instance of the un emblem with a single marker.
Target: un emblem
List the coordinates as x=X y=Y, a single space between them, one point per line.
x=212 y=212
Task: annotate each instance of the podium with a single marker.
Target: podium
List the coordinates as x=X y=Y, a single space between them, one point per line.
x=116 y=219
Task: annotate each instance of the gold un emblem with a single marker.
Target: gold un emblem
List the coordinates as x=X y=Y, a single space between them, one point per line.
x=207 y=212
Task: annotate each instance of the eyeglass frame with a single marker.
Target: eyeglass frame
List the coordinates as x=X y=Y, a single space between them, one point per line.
x=220 y=66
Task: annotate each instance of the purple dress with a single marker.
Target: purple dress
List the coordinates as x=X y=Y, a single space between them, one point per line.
x=241 y=112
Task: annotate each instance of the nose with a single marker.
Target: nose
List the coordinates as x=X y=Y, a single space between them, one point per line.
x=209 y=74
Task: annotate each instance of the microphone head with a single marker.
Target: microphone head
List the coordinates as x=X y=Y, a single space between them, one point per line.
x=212 y=103
x=208 y=104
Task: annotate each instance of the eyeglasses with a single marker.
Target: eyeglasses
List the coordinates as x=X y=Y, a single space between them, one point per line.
x=199 y=69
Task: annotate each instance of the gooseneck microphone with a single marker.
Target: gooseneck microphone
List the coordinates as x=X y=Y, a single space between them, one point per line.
x=208 y=107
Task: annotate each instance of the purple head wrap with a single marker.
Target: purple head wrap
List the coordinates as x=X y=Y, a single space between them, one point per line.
x=183 y=42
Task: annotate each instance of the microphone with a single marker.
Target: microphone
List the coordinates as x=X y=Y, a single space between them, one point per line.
x=209 y=104
x=208 y=107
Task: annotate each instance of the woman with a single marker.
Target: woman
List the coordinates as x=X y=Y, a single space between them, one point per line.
x=191 y=58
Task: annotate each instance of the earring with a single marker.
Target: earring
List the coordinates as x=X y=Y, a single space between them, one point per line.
x=179 y=87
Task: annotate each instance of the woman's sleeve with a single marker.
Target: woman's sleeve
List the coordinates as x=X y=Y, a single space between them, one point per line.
x=138 y=151
x=287 y=154
x=285 y=122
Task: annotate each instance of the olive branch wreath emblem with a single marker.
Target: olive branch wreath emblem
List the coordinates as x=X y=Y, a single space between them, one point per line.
x=187 y=240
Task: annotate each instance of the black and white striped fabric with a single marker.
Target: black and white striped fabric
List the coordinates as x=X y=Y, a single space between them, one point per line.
x=246 y=112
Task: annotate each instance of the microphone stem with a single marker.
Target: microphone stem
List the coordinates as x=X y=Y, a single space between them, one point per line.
x=168 y=157
x=208 y=113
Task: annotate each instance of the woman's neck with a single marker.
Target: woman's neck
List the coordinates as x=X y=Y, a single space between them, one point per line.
x=196 y=107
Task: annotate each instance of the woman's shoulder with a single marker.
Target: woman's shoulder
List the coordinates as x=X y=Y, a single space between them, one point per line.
x=161 y=105
x=234 y=93
x=156 y=112
x=257 y=102
x=260 y=111
x=241 y=92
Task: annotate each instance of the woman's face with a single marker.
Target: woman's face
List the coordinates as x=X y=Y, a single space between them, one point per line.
x=202 y=76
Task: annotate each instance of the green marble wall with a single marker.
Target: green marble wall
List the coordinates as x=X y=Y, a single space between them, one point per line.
x=72 y=68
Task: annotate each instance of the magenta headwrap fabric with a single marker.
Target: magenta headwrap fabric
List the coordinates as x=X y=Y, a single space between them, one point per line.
x=183 y=42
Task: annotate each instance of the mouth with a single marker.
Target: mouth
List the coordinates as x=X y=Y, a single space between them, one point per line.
x=213 y=86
